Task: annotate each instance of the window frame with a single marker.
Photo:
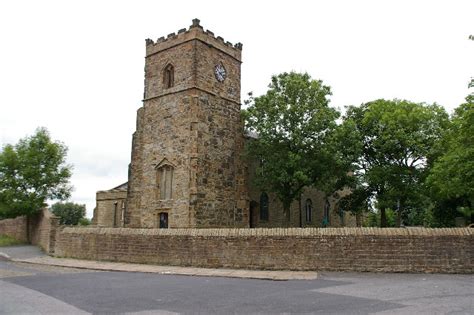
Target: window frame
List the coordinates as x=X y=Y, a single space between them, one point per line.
x=168 y=76
x=309 y=210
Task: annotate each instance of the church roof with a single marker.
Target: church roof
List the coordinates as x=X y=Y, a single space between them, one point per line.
x=123 y=186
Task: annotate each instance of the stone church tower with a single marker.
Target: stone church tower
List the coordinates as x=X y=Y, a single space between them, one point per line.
x=186 y=168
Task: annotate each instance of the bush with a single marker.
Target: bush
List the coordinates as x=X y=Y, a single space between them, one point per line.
x=373 y=218
x=84 y=221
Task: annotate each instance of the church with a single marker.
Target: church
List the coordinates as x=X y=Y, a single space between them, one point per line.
x=188 y=168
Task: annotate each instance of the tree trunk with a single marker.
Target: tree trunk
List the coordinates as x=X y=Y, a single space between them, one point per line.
x=383 y=217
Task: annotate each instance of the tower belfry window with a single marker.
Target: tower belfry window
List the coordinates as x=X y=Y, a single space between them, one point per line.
x=168 y=76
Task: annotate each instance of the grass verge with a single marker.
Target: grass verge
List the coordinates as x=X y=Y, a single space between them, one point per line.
x=9 y=241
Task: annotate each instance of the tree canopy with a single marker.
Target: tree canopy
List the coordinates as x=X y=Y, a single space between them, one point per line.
x=295 y=130
x=31 y=172
x=452 y=175
x=69 y=213
x=396 y=140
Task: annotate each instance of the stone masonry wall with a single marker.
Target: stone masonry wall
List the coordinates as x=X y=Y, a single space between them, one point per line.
x=163 y=136
x=221 y=195
x=42 y=229
x=193 y=127
x=109 y=208
x=15 y=228
x=344 y=249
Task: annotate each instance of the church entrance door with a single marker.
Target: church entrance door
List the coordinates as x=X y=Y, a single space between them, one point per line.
x=163 y=220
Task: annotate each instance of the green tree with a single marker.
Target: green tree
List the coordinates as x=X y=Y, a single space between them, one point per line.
x=295 y=131
x=452 y=177
x=397 y=140
x=69 y=213
x=470 y=97
x=85 y=221
x=31 y=172
x=357 y=202
x=373 y=219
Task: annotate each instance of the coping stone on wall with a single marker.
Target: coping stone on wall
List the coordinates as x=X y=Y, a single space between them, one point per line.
x=263 y=232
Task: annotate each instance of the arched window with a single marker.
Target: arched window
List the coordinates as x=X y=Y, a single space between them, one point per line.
x=264 y=207
x=168 y=76
x=309 y=210
x=164 y=181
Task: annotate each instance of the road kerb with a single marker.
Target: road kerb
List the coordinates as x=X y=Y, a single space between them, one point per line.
x=172 y=270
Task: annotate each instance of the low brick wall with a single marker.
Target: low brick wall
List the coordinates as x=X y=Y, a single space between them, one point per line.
x=330 y=249
x=15 y=228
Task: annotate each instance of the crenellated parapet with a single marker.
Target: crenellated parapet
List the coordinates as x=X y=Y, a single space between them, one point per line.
x=195 y=31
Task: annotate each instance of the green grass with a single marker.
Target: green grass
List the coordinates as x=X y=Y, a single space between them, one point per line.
x=9 y=241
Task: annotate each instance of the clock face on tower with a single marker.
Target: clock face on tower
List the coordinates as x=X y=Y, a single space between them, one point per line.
x=220 y=72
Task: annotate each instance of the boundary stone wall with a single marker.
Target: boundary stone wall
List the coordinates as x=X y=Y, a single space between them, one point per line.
x=331 y=249
x=15 y=228
x=42 y=229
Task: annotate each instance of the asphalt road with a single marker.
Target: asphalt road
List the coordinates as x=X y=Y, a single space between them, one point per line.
x=35 y=289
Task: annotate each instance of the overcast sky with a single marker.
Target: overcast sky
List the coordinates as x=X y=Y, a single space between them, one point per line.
x=76 y=67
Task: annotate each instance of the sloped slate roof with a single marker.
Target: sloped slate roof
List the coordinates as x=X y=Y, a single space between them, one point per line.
x=123 y=186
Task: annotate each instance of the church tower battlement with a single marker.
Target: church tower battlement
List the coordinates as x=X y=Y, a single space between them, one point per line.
x=186 y=166
x=185 y=35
